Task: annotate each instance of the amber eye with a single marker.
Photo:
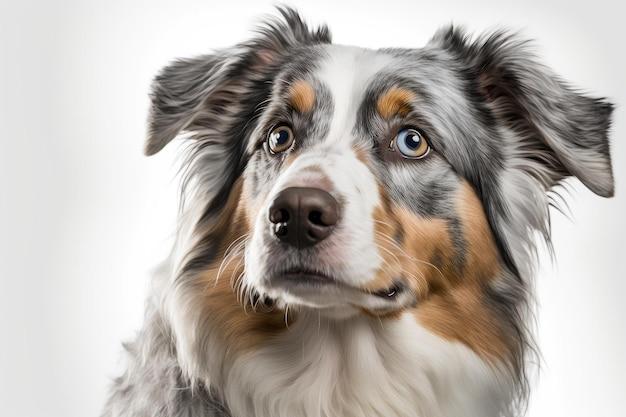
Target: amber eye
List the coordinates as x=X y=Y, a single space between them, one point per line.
x=411 y=144
x=280 y=139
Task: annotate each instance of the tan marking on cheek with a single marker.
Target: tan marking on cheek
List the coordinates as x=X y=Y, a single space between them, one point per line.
x=240 y=327
x=302 y=96
x=395 y=102
x=482 y=261
x=424 y=240
x=385 y=229
x=409 y=257
x=462 y=314
x=462 y=311
x=454 y=306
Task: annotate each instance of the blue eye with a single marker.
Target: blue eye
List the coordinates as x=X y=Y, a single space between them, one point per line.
x=411 y=144
x=280 y=139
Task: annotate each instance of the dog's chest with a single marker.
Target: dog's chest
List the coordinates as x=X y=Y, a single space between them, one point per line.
x=361 y=368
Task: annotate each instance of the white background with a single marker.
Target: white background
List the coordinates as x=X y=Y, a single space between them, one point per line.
x=84 y=216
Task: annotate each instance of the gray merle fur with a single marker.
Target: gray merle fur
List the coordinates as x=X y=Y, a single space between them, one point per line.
x=487 y=106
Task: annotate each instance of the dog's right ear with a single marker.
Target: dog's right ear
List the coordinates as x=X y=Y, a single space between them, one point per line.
x=178 y=94
x=196 y=95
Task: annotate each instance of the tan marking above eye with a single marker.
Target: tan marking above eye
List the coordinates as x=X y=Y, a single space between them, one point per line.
x=302 y=96
x=395 y=102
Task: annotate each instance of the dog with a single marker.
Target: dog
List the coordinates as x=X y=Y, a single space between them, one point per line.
x=358 y=227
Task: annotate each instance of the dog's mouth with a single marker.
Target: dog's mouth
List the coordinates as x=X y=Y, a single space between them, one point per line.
x=308 y=278
x=326 y=290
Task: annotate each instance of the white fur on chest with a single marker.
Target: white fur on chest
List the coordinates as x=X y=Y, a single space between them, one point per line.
x=362 y=367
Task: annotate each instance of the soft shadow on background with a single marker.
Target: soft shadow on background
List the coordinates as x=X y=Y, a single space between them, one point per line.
x=84 y=216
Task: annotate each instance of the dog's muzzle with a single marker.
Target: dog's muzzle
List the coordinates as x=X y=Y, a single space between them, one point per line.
x=303 y=216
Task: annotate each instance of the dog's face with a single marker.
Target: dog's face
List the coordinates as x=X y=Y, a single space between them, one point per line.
x=359 y=181
x=351 y=200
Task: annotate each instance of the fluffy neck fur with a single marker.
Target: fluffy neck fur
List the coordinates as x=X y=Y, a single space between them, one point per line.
x=357 y=367
x=316 y=366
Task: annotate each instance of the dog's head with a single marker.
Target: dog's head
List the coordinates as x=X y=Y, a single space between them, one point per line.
x=371 y=181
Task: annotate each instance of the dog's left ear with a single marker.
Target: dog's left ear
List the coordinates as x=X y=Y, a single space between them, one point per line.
x=554 y=125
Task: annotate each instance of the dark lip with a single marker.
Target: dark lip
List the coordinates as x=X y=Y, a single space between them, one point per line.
x=304 y=276
x=311 y=278
x=392 y=292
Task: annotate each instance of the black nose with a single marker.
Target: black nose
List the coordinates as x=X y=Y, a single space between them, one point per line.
x=303 y=217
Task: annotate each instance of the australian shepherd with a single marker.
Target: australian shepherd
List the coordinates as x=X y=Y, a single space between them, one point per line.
x=358 y=227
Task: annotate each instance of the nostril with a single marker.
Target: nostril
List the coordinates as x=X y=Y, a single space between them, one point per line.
x=315 y=217
x=280 y=229
x=279 y=216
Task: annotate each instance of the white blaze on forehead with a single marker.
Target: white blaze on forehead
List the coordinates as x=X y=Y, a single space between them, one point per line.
x=346 y=72
x=350 y=253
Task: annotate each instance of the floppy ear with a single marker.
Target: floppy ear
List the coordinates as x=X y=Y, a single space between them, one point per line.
x=544 y=130
x=203 y=95
x=554 y=124
x=178 y=94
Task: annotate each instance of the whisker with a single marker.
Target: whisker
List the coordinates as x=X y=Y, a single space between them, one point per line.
x=233 y=249
x=390 y=240
x=235 y=269
x=390 y=253
x=243 y=236
x=383 y=223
